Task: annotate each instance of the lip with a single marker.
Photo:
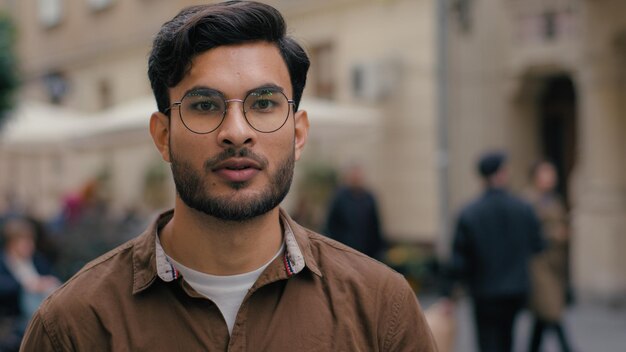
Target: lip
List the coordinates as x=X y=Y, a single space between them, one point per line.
x=237 y=170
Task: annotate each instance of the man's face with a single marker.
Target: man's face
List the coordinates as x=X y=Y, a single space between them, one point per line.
x=235 y=172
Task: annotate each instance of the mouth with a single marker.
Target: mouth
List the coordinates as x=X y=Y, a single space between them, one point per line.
x=237 y=169
x=237 y=164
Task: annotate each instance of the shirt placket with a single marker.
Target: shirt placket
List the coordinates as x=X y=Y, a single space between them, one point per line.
x=280 y=269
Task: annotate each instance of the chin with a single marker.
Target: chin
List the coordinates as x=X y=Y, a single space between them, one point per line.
x=238 y=185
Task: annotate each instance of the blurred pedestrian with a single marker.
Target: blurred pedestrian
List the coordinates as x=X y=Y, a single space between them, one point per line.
x=548 y=269
x=495 y=238
x=353 y=217
x=227 y=269
x=25 y=278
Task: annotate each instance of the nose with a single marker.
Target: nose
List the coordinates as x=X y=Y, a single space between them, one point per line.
x=235 y=130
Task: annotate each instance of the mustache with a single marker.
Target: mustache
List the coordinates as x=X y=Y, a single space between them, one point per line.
x=228 y=153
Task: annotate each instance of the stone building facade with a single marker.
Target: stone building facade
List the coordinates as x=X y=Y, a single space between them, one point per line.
x=547 y=79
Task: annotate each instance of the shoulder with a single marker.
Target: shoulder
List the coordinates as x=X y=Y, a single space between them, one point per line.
x=471 y=208
x=86 y=293
x=504 y=198
x=338 y=262
x=73 y=312
x=102 y=264
x=521 y=203
x=377 y=292
x=377 y=302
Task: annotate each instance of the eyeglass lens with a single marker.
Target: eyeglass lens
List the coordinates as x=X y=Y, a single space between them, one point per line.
x=203 y=110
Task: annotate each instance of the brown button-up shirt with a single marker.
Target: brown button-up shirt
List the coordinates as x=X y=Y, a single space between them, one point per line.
x=318 y=296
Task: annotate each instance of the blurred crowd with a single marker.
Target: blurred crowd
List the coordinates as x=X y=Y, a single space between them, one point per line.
x=37 y=255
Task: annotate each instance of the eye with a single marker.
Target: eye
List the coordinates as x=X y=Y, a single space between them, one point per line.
x=264 y=101
x=206 y=105
x=203 y=104
x=263 y=104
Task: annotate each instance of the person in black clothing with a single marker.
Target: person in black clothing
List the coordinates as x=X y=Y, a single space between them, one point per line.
x=353 y=215
x=496 y=236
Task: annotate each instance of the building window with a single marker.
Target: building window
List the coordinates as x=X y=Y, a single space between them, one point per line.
x=323 y=71
x=56 y=86
x=463 y=12
x=104 y=91
x=541 y=21
x=549 y=25
x=50 y=12
x=97 y=5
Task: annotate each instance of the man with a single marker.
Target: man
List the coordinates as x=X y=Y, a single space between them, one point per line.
x=353 y=216
x=227 y=269
x=496 y=236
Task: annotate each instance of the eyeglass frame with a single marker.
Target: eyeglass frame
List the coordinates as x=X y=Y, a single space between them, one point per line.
x=275 y=89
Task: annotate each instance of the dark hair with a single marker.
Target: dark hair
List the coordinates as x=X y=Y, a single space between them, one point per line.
x=197 y=29
x=490 y=163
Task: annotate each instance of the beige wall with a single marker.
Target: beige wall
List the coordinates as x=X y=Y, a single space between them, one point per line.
x=601 y=205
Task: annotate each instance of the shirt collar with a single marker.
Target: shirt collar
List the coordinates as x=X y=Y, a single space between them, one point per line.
x=298 y=245
x=150 y=261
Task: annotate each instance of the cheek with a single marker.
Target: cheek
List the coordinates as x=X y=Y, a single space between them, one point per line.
x=280 y=145
x=196 y=147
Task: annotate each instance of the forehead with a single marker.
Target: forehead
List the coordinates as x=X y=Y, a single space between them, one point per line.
x=235 y=69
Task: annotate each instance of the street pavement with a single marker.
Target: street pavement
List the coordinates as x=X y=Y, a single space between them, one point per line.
x=591 y=327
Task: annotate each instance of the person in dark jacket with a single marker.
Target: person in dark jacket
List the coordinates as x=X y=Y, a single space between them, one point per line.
x=353 y=215
x=496 y=236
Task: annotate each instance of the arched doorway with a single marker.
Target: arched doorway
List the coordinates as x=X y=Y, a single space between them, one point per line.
x=557 y=126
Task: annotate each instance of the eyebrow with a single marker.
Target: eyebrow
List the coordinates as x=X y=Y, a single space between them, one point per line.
x=270 y=86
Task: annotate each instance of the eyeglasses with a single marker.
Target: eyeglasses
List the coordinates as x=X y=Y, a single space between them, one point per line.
x=202 y=111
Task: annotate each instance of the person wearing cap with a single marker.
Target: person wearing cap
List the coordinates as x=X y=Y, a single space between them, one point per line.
x=496 y=236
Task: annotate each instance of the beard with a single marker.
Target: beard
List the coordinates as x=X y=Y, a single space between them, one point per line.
x=194 y=191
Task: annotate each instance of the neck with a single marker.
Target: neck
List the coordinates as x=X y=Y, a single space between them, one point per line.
x=214 y=246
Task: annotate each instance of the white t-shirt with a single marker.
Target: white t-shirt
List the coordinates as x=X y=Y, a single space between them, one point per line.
x=227 y=292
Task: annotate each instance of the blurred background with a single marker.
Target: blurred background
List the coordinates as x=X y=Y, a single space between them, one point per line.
x=412 y=90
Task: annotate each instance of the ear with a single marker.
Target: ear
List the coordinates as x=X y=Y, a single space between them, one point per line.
x=160 y=131
x=301 y=131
